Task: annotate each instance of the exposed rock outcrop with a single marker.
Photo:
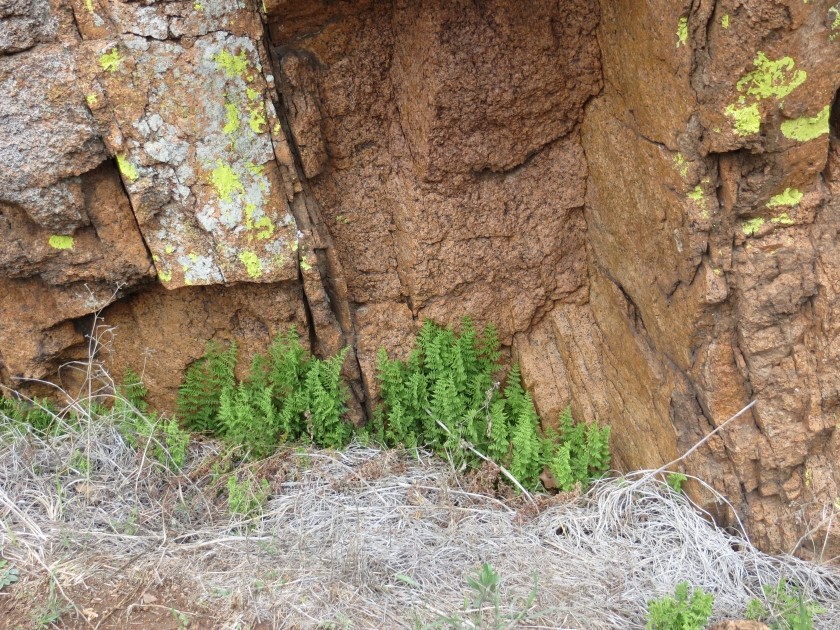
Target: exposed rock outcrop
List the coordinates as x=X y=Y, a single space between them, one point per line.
x=642 y=196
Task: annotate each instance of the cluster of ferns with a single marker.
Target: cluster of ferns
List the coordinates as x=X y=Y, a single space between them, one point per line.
x=447 y=396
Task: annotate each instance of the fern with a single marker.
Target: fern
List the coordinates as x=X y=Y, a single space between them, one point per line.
x=199 y=395
x=288 y=396
x=448 y=379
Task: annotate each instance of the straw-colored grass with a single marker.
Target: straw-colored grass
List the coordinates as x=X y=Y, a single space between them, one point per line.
x=365 y=538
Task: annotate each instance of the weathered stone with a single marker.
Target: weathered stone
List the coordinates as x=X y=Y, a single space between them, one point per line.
x=642 y=196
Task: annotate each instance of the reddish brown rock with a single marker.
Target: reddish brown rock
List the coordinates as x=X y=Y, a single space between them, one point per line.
x=642 y=196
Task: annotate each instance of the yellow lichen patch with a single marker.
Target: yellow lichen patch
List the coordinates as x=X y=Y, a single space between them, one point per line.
x=111 y=60
x=752 y=226
x=304 y=264
x=252 y=263
x=805 y=129
x=92 y=99
x=771 y=78
x=257 y=120
x=834 y=14
x=169 y=249
x=265 y=227
x=89 y=6
x=682 y=31
x=164 y=276
x=253 y=94
x=59 y=241
x=128 y=170
x=789 y=198
x=225 y=181
x=681 y=164
x=231 y=119
x=747 y=118
x=782 y=219
x=696 y=195
x=249 y=216
x=724 y=21
x=233 y=65
x=198 y=6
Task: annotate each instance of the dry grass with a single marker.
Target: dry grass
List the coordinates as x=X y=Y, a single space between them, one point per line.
x=365 y=538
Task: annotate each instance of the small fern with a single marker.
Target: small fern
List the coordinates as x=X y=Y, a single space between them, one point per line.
x=449 y=380
x=288 y=396
x=161 y=438
x=200 y=393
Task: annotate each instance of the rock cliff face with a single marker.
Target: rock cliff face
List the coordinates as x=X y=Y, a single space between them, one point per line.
x=643 y=196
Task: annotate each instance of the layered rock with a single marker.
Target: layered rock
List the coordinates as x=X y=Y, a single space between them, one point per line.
x=640 y=195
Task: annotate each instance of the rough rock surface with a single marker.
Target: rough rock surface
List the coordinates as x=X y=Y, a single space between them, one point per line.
x=643 y=196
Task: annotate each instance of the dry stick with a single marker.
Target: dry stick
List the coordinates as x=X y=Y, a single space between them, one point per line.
x=503 y=470
x=695 y=447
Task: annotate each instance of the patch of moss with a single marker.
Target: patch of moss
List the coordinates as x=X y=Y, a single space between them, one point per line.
x=752 y=226
x=111 y=60
x=233 y=65
x=58 y=241
x=252 y=264
x=790 y=197
x=805 y=128
x=225 y=181
x=128 y=170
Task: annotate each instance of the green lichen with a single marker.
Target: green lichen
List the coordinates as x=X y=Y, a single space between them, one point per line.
x=252 y=264
x=58 y=241
x=266 y=228
x=111 y=60
x=747 y=118
x=257 y=120
x=226 y=181
x=805 y=129
x=165 y=276
x=771 y=78
x=696 y=194
x=253 y=94
x=198 y=6
x=249 y=216
x=304 y=264
x=232 y=116
x=782 y=219
x=752 y=226
x=128 y=170
x=834 y=14
x=89 y=6
x=169 y=249
x=682 y=31
x=789 y=198
x=724 y=21
x=92 y=99
x=681 y=163
x=233 y=65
